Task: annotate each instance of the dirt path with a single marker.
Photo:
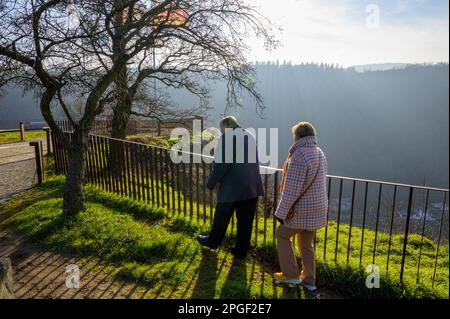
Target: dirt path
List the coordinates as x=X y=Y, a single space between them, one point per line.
x=17 y=168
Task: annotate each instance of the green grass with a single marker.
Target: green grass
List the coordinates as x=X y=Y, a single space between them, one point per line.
x=153 y=245
x=333 y=269
x=12 y=137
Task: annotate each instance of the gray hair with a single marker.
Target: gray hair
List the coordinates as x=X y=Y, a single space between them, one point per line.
x=229 y=121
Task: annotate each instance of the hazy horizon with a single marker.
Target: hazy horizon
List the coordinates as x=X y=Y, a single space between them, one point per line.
x=355 y=32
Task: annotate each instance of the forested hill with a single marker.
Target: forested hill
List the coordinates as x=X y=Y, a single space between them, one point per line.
x=391 y=125
x=388 y=125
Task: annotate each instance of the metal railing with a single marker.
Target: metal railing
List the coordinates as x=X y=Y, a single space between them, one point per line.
x=401 y=228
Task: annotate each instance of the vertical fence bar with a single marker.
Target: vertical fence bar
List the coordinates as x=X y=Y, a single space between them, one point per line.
x=105 y=163
x=98 y=167
x=134 y=175
x=391 y=228
x=184 y=189
x=191 y=195
x=123 y=156
x=22 y=131
x=94 y=170
x=129 y=171
x=266 y=198
x=120 y=167
x=423 y=234
x=275 y=203
x=117 y=170
x=405 y=240
x=137 y=171
x=364 y=222
x=161 y=177
x=325 y=240
x=149 y=168
x=204 y=190
x=376 y=223
x=172 y=171
x=338 y=218
x=167 y=178
x=197 y=191
x=109 y=163
x=351 y=221
x=148 y=178
x=439 y=240
x=178 y=187
x=211 y=199
x=89 y=165
x=156 y=174
x=144 y=180
x=112 y=164
x=39 y=160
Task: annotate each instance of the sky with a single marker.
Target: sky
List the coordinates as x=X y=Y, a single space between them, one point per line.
x=356 y=32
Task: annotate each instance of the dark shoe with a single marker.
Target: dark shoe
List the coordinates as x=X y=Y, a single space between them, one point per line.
x=204 y=241
x=238 y=254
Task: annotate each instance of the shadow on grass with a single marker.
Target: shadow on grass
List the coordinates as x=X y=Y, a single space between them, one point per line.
x=52 y=190
x=236 y=285
x=205 y=286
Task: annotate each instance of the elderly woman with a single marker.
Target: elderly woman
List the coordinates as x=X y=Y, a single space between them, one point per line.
x=303 y=207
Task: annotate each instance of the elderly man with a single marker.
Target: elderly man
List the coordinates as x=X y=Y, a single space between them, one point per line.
x=236 y=170
x=303 y=206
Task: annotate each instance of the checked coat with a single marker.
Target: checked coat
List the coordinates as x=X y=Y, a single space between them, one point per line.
x=305 y=187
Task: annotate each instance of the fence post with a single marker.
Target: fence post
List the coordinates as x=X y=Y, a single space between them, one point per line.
x=22 y=131
x=47 y=134
x=158 y=127
x=39 y=160
x=405 y=239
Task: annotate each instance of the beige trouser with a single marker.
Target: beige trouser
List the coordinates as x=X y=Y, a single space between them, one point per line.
x=286 y=257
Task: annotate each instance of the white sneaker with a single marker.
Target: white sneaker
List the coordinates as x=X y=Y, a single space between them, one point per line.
x=310 y=288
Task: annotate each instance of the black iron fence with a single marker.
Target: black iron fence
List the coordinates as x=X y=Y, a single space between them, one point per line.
x=403 y=229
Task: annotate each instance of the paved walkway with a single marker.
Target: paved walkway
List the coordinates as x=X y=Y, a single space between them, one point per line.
x=17 y=168
x=41 y=273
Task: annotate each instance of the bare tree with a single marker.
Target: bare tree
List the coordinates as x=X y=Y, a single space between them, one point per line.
x=44 y=47
x=182 y=44
x=39 y=50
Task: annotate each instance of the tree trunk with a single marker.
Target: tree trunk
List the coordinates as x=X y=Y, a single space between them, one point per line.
x=73 y=189
x=120 y=120
x=122 y=109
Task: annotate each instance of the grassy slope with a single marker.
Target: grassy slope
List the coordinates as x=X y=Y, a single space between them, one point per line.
x=153 y=246
x=13 y=137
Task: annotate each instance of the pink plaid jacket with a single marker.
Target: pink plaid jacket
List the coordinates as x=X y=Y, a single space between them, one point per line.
x=310 y=212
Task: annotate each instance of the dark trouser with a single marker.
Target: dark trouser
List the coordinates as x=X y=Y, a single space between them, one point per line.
x=245 y=213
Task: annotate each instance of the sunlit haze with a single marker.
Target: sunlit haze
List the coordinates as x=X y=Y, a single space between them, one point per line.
x=350 y=33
